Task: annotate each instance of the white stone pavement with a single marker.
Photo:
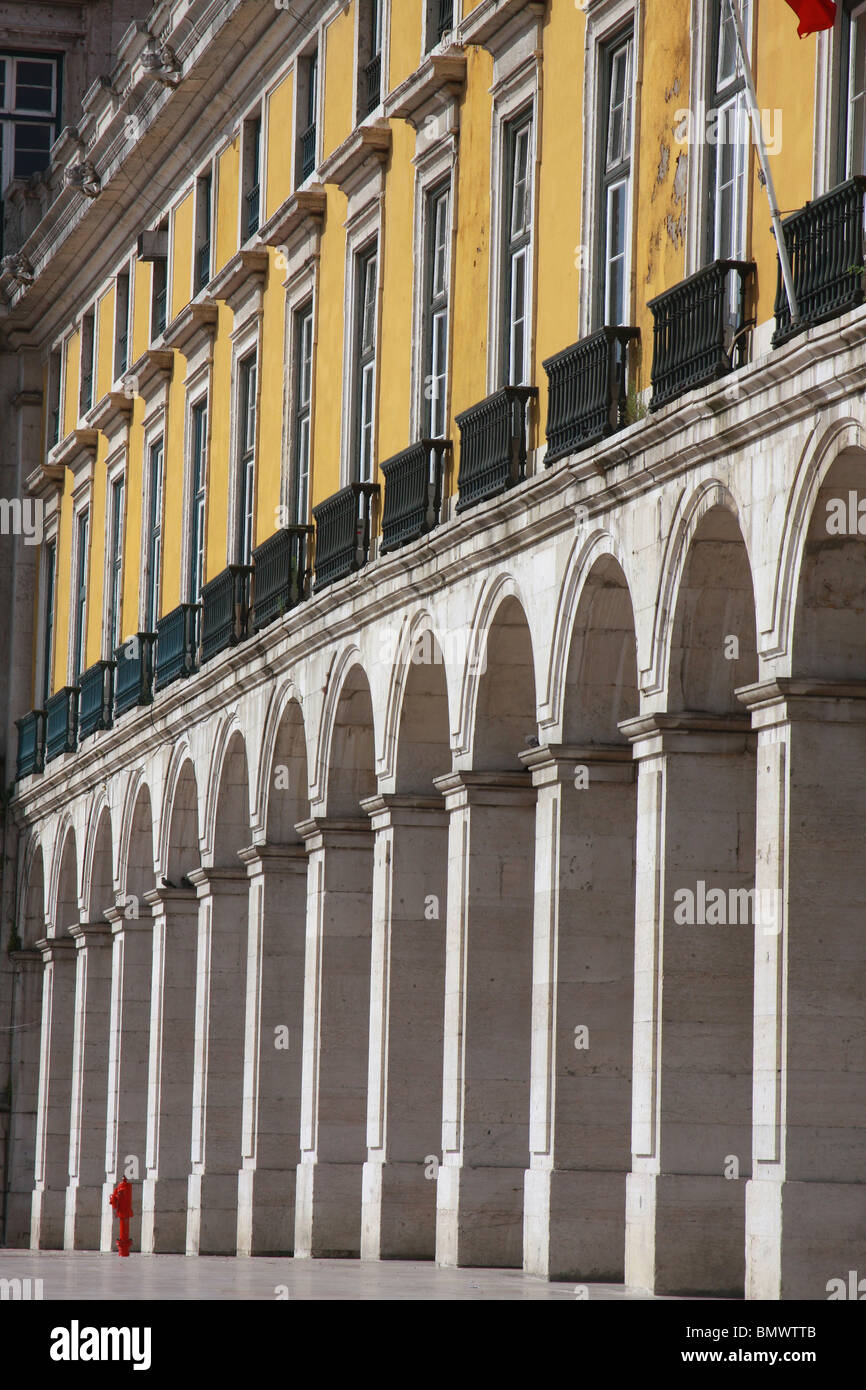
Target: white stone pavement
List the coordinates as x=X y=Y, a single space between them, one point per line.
x=75 y=1276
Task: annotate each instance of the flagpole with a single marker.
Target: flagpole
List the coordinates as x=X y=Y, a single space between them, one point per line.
x=758 y=129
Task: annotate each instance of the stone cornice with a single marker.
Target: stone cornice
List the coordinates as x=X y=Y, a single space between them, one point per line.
x=154 y=364
x=367 y=145
x=245 y=272
x=195 y=322
x=77 y=447
x=484 y=24
x=303 y=209
x=114 y=408
x=45 y=478
x=440 y=74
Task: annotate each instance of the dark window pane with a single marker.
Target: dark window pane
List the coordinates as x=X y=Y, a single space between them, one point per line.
x=34 y=86
x=32 y=144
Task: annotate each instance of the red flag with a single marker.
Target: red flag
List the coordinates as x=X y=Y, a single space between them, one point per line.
x=813 y=15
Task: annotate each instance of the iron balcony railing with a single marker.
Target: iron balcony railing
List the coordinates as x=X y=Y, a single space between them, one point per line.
x=133 y=672
x=31 y=743
x=122 y=354
x=95 y=696
x=54 y=427
x=344 y=528
x=493 y=445
x=281 y=577
x=446 y=18
x=308 y=151
x=160 y=311
x=589 y=389
x=699 y=329
x=225 y=604
x=61 y=722
x=253 y=201
x=86 y=391
x=373 y=73
x=825 y=245
x=176 y=644
x=413 y=492
x=202 y=266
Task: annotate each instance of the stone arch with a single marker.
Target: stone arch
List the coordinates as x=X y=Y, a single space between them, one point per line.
x=99 y=876
x=420 y=643
x=283 y=793
x=227 y=827
x=602 y=657
x=349 y=742
x=135 y=867
x=179 y=823
x=422 y=745
x=505 y=707
x=64 y=910
x=31 y=916
x=492 y=598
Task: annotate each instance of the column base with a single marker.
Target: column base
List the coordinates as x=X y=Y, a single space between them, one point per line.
x=82 y=1227
x=479 y=1217
x=47 y=1218
x=398 y=1213
x=164 y=1216
x=328 y=1211
x=685 y=1234
x=212 y=1214
x=266 y=1212
x=574 y=1225
x=801 y=1236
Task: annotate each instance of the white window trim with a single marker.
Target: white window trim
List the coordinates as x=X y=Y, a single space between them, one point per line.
x=49 y=537
x=115 y=471
x=302 y=290
x=427 y=14
x=246 y=342
x=434 y=167
x=154 y=432
x=376 y=113
x=829 y=81
x=84 y=503
x=366 y=228
x=256 y=110
x=605 y=19
x=316 y=47
x=198 y=391
x=517 y=94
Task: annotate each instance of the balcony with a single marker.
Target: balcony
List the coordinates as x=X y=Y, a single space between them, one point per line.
x=373 y=76
x=133 y=673
x=202 y=266
x=589 y=390
x=253 y=201
x=343 y=532
x=61 y=723
x=176 y=644
x=95 y=698
x=31 y=743
x=699 y=329
x=160 y=311
x=825 y=244
x=308 y=152
x=225 y=603
x=493 y=445
x=413 y=492
x=281 y=575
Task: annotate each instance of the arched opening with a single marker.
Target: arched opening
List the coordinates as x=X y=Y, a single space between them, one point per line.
x=25 y=1013
x=490 y=925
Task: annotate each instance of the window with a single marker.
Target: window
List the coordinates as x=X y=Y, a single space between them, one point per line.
x=121 y=325
x=197 y=501
x=87 y=360
x=440 y=19
x=436 y=313
x=303 y=398
x=153 y=576
x=370 y=58
x=365 y=363
x=615 y=153
x=115 y=564
x=516 y=264
x=79 y=593
x=50 y=565
x=728 y=155
x=247 y=461
x=29 y=113
x=159 y=297
x=55 y=371
x=252 y=176
x=309 y=107
x=852 y=122
x=204 y=225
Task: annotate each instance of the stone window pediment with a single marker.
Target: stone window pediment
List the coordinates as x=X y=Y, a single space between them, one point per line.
x=240 y=283
x=436 y=86
x=357 y=166
x=497 y=24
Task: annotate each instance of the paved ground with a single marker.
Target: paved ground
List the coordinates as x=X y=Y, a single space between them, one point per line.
x=72 y=1275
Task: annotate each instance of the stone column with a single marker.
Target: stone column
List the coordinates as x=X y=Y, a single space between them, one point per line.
x=171 y=1058
x=407 y=1008
x=55 y=1091
x=87 y=1123
x=582 y=1003
x=488 y=1003
x=806 y=1200
x=694 y=932
x=128 y=1048
x=25 y=1014
x=273 y=1048
x=336 y=1030
x=217 y=1104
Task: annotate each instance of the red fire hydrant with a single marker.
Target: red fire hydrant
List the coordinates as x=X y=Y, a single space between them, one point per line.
x=121 y=1200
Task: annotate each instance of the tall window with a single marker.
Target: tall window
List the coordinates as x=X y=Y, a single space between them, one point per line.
x=365 y=363
x=852 y=122
x=303 y=398
x=728 y=157
x=197 y=501
x=79 y=627
x=516 y=260
x=615 y=159
x=252 y=175
x=159 y=297
x=55 y=371
x=310 y=90
x=370 y=58
x=154 y=536
x=48 y=618
x=29 y=113
x=247 y=460
x=115 y=564
x=87 y=362
x=440 y=18
x=121 y=325
x=204 y=225
x=436 y=313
